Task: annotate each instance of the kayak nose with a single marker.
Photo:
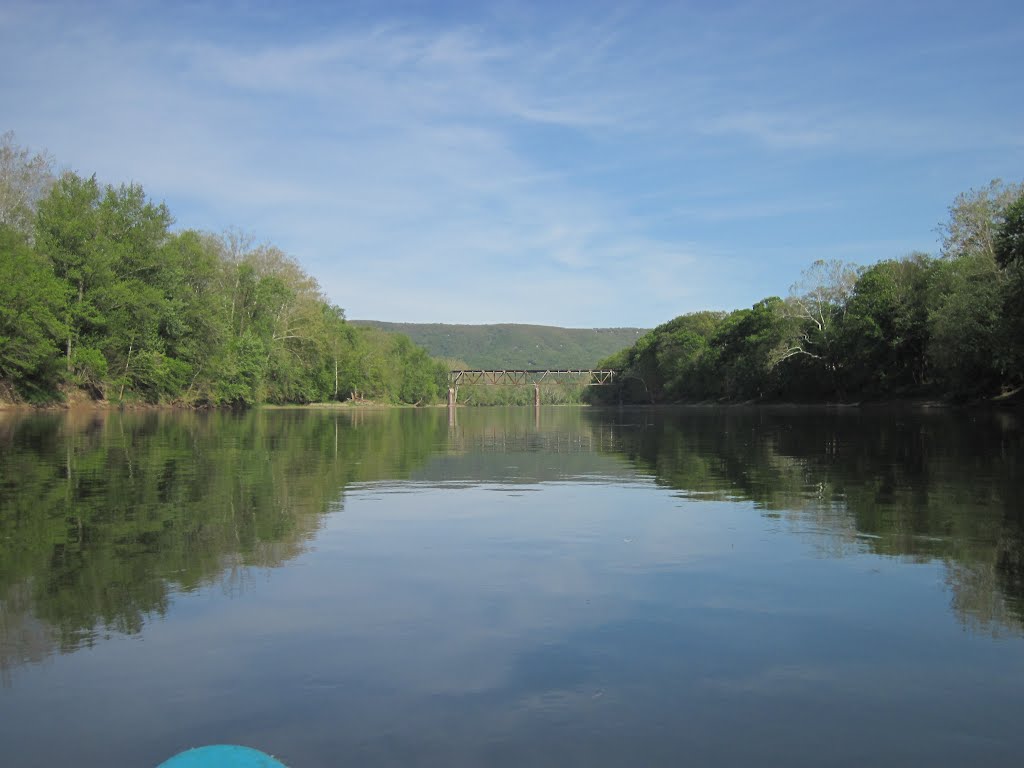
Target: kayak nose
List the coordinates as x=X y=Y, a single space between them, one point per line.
x=222 y=756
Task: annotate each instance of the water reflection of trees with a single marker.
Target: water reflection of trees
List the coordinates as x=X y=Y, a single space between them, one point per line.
x=920 y=485
x=526 y=446
x=104 y=516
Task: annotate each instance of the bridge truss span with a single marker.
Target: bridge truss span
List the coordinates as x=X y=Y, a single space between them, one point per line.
x=522 y=377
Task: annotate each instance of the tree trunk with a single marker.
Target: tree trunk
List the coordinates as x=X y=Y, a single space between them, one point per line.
x=120 y=395
x=71 y=325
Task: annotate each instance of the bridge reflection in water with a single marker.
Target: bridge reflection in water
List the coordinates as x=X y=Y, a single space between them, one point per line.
x=522 y=377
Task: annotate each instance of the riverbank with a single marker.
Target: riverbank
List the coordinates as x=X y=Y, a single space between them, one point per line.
x=79 y=400
x=85 y=404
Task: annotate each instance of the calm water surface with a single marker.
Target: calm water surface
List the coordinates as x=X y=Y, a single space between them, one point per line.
x=578 y=587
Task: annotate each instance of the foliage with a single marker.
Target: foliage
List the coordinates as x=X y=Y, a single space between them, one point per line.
x=706 y=356
x=885 y=335
x=667 y=362
x=965 y=324
x=1008 y=244
x=917 y=326
x=31 y=307
x=1009 y=252
x=100 y=293
x=139 y=312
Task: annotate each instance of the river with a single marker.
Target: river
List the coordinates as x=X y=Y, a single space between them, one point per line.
x=510 y=587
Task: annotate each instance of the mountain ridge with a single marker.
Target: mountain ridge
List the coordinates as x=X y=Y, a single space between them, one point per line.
x=514 y=345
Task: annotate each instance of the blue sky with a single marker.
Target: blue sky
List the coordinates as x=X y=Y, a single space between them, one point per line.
x=581 y=164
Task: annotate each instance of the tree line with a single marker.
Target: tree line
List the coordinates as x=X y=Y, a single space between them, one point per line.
x=949 y=326
x=98 y=294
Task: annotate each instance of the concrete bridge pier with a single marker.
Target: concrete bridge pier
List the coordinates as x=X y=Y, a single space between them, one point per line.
x=536 y=395
x=453 y=395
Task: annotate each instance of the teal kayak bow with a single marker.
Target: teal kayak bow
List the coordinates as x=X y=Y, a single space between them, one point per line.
x=222 y=756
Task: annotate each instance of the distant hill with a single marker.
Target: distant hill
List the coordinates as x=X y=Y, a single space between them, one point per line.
x=515 y=346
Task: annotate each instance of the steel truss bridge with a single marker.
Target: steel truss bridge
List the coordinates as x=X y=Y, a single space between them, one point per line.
x=522 y=377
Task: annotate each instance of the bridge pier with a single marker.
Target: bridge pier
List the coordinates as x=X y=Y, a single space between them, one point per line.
x=453 y=395
x=536 y=395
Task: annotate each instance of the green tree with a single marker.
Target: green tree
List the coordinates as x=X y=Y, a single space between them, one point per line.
x=335 y=345
x=886 y=327
x=745 y=361
x=1009 y=251
x=681 y=351
x=420 y=374
x=133 y=233
x=146 y=313
x=965 y=325
x=970 y=342
x=67 y=232
x=194 y=326
x=32 y=304
x=1008 y=245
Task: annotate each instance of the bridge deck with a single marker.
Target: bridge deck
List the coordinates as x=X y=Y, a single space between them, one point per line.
x=525 y=376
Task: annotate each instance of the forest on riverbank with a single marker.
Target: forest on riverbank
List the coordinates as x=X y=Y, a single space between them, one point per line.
x=100 y=298
x=949 y=326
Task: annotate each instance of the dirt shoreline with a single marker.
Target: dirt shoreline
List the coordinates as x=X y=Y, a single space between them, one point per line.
x=81 y=405
x=107 y=405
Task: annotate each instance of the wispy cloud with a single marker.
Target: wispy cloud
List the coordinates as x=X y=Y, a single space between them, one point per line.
x=517 y=163
x=774 y=130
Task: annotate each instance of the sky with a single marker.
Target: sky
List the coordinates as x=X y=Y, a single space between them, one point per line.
x=584 y=164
